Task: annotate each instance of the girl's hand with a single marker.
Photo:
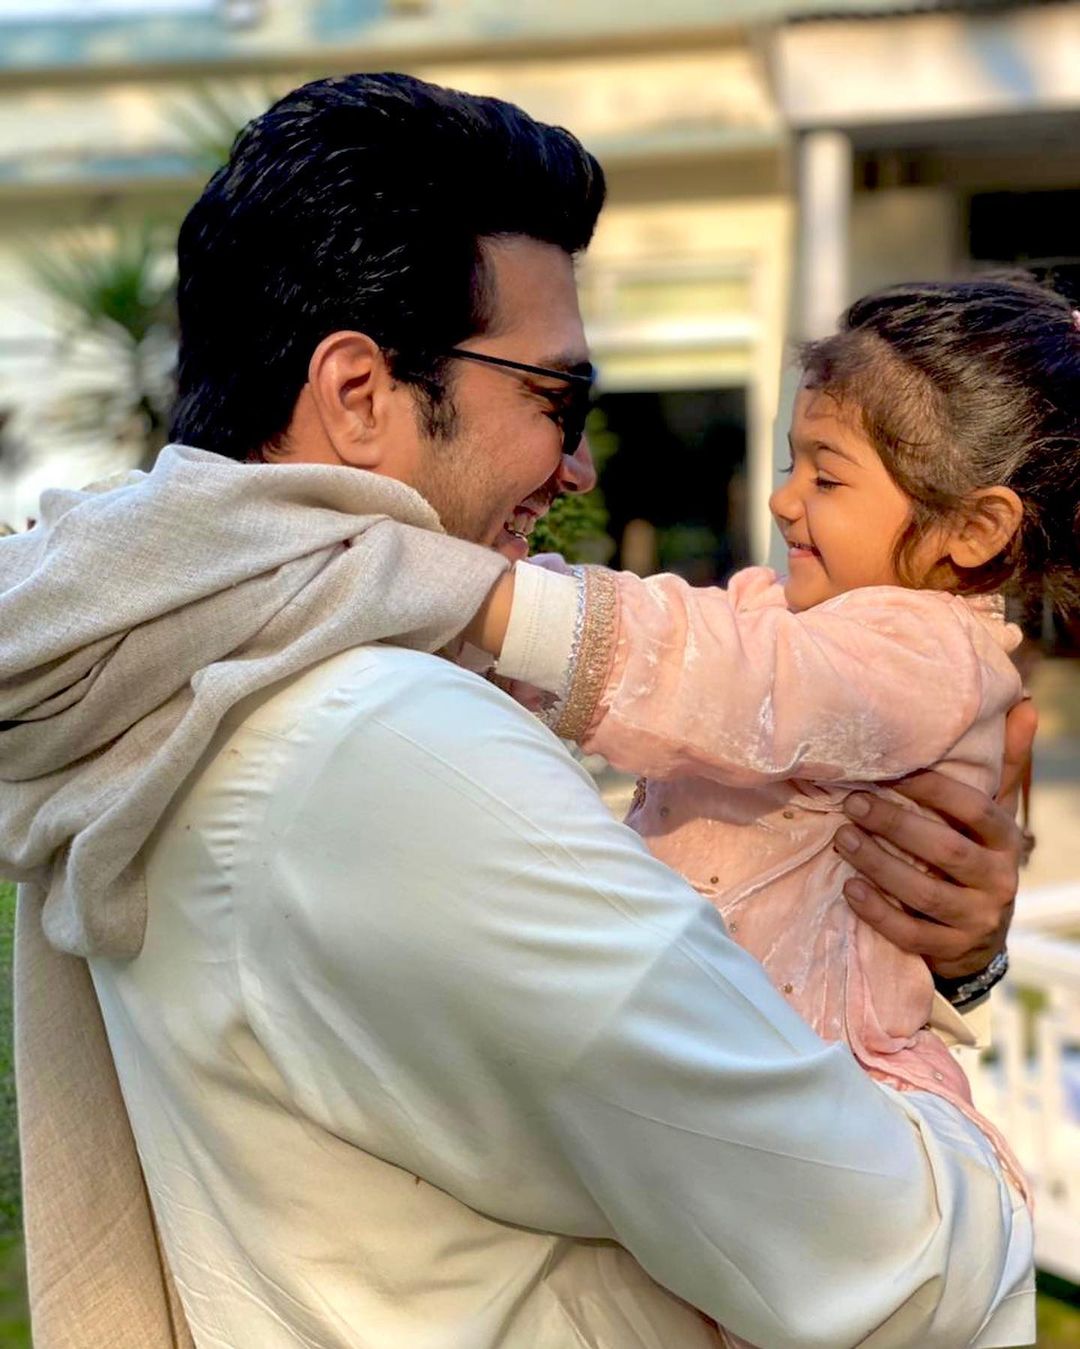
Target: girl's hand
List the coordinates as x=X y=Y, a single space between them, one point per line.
x=956 y=916
x=487 y=630
x=552 y=562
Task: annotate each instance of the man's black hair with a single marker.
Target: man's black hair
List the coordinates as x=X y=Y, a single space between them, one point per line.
x=358 y=203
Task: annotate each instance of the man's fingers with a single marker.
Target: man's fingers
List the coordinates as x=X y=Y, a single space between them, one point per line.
x=1020 y=727
x=922 y=892
x=903 y=929
x=933 y=841
x=985 y=821
x=957 y=913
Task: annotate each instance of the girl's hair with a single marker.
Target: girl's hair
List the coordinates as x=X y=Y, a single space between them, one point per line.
x=967 y=384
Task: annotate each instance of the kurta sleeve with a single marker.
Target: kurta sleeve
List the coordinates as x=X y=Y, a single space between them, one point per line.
x=460 y=963
x=544 y=630
x=729 y=684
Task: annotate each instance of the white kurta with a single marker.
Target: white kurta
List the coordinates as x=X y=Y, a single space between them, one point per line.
x=425 y=1051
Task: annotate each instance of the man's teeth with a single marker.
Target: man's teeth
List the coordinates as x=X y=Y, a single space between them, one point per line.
x=520 y=524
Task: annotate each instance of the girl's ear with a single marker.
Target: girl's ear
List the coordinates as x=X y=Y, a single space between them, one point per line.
x=993 y=516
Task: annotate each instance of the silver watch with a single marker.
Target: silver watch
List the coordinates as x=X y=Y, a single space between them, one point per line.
x=970 y=987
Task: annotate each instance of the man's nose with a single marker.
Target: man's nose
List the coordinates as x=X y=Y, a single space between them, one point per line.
x=576 y=472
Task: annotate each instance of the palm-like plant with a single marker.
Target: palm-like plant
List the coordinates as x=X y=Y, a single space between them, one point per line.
x=115 y=302
x=116 y=296
x=212 y=117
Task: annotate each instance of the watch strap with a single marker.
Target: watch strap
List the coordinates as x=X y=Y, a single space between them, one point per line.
x=971 y=988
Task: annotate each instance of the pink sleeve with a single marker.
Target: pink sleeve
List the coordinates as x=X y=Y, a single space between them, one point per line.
x=729 y=684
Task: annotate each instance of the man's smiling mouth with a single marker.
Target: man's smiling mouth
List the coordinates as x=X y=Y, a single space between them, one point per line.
x=521 y=522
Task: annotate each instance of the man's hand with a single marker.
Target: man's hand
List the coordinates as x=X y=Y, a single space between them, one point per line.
x=958 y=914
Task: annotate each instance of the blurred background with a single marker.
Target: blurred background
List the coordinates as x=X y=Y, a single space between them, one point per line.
x=767 y=161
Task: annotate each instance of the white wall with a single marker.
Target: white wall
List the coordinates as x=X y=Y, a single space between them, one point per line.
x=905 y=234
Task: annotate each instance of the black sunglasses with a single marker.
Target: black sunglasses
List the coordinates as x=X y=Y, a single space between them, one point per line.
x=571 y=415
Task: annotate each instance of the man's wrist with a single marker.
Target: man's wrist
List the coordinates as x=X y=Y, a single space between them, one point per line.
x=968 y=989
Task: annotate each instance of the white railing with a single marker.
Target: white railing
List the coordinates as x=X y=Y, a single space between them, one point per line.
x=1029 y=1084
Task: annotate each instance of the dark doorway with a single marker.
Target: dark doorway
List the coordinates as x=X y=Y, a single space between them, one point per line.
x=674 y=480
x=1036 y=230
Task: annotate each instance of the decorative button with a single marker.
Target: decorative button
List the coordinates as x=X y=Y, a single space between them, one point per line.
x=789 y=988
x=714 y=880
x=939 y=1077
x=732 y=926
x=789 y=814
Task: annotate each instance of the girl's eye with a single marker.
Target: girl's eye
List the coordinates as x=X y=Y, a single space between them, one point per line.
x=790 y=469
x=826 y=483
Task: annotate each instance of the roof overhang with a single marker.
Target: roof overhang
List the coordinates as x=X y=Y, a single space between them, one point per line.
x=928 y=67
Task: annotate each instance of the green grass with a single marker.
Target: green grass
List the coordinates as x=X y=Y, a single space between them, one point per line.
x=1058 y=1319
x=14 y=1320
x=9 y=1138
x=1059 y=1302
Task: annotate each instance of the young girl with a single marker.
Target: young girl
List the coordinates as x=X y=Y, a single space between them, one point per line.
x=935 y=456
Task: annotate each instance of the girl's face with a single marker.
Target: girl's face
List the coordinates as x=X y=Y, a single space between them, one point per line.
x=839 y=511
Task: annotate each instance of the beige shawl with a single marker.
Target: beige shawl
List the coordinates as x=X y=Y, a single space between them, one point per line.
x=134 y=616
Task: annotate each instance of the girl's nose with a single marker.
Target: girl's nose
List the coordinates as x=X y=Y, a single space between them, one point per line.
x=576 y=472
x=784 y=504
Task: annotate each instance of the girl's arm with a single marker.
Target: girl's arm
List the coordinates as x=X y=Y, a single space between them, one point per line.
x=488 y=627
x=665 y=679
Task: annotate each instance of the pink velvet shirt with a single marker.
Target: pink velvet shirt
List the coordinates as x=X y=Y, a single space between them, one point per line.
x=750 y=725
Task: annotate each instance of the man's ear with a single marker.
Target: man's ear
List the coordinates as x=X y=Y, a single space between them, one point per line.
x=350 y=384
x=992 y=516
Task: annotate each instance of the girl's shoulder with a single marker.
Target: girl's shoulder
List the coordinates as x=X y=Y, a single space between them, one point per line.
x=756 y=588
x=956 y=631
x=891 y=607
x=981 y=616
x=932 y=605
x=977 y=621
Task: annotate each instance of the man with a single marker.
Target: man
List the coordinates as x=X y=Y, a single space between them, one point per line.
x=420 y=1047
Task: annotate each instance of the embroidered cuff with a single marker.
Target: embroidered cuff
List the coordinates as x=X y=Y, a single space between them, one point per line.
x=540 y=637
x=594 y=648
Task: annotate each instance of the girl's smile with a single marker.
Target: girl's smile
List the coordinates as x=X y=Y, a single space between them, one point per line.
x=801 y=552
